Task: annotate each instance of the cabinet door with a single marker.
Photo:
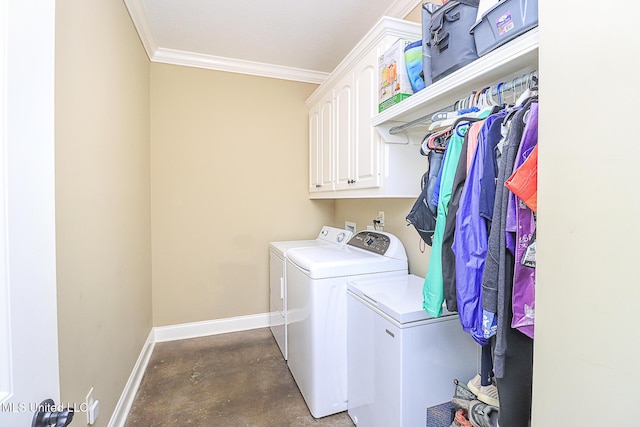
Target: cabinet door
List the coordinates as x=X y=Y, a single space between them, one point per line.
x=320 y=145
x=344 y=133
x=366 y=141
x=315 y=156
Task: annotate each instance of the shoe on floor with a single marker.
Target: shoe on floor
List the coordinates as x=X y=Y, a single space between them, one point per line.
x=461 y=403
x=489 y=395
x=462 y=391
x=483 y=415
x=474 y=384
x=460 y=419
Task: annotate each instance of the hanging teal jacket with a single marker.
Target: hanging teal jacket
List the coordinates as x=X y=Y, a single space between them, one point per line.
x=433 y=290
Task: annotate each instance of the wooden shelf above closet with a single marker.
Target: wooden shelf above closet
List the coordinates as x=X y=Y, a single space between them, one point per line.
x=503 y=64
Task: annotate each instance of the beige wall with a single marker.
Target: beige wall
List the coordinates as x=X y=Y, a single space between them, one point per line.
x=587 y=343
x=363 y=211
x=416 y=14
x=102 y=200
x=229 y=168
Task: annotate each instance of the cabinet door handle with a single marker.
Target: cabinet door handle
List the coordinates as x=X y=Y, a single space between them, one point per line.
x=318 y=185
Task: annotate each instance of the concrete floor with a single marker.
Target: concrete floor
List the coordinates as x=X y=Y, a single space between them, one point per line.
x=235 y=379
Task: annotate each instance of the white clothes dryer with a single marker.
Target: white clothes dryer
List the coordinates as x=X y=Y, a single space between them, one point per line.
x=278 y=278
x=317 y=304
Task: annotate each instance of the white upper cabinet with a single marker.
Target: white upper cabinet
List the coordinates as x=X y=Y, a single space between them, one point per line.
x=320 y=148
x=344 y=135
x=347 y=157
x=366 y=141
x=357 y=144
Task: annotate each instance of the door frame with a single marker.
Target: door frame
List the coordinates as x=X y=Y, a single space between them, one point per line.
x=28 y=324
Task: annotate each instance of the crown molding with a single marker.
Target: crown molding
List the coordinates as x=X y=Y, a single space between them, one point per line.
x=141 y=23
x=399 y=9
x=218 y=63
x=386 y=27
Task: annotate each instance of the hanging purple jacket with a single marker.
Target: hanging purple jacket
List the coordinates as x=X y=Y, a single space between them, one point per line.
x=470 y=242
x=524 y=277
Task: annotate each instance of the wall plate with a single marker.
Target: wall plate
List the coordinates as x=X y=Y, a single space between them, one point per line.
x=350 y=226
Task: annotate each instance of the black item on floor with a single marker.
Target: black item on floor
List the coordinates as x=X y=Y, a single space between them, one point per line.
x=450 y=43
x=440 y=415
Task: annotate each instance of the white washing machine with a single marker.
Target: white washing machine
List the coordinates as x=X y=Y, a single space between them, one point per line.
x=317 y=304
x=278 y=277
x=401 y=361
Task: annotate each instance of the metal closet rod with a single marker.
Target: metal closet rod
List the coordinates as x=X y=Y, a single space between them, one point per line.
x=513 y=84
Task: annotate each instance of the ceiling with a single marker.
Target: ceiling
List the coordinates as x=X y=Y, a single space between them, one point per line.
x=302 y=40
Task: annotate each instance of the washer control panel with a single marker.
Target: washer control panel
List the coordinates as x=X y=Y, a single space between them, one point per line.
x=334 y=235
x=371 y=241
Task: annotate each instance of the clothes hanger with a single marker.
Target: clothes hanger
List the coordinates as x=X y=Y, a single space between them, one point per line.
x=496 y=102
x=437 y=141
x=470 y=107
x=482 y=99
x=464 y=121
x=514 y=89
x=492 y=101
x=485 y=105
x=470 y=113
x=464 y=107
x=525 y=94
x=499 y=92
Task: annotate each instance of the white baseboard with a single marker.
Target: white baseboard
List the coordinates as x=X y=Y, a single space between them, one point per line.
x=210 y=327
x=172 y=333
x=123 y=406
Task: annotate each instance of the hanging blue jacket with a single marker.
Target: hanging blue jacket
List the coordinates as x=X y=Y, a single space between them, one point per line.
x=471 y=241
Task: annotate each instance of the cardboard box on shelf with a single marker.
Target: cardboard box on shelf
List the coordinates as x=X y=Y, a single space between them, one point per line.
x=394 y=82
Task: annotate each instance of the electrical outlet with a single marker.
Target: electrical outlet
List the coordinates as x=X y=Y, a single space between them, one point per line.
x=93 y=407
x=381 y=218
x=350 y=226
x=92 y=414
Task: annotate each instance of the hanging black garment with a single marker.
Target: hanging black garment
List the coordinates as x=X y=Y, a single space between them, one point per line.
x=420 y=216
x=448 y=257
x=423 y=215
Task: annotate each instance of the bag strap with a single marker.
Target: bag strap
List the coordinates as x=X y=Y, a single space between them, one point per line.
x=472 y=3
x=437 y=22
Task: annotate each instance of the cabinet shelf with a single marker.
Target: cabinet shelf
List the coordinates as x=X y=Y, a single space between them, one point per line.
x=519 y=55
